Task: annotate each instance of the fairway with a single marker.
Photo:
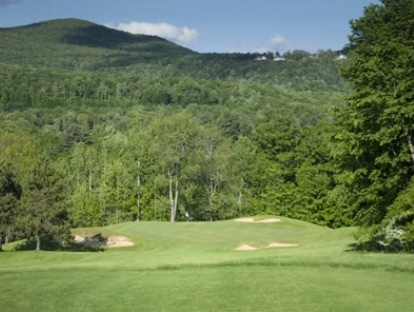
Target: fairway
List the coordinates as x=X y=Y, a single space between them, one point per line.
x=196 y=267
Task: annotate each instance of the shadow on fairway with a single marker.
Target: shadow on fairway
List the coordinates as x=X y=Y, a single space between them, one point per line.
x=376 y=244
x=52 y=245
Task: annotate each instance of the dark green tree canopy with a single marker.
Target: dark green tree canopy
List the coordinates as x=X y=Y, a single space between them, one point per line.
x=376 y=126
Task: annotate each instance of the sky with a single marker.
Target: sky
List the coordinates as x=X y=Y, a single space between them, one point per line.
x=208 y=25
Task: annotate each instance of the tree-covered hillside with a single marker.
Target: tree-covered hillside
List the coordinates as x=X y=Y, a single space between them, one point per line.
x=78 y=44
x=102 y=127
x=99 y=126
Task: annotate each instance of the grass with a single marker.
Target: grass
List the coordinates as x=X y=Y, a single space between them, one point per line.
x=194 y=267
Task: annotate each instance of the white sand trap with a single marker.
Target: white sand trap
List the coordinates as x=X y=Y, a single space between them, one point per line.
x=79 y=239
x=245 y=220
x=252 y=220
x=118 y=241
x=269 y=220
x=245 y=248
x=112 y=241
x=279 y=245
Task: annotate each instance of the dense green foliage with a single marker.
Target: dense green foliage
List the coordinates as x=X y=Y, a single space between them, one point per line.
x=376 y=130
x=104 y=127
x=120 y=160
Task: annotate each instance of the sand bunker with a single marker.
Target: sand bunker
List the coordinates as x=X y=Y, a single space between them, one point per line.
x=246 y=247
x=252 y=220
x=278 y=245
x=118 y=241
x=99 y=241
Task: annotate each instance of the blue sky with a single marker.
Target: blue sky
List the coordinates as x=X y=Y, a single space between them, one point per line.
x=210 y=25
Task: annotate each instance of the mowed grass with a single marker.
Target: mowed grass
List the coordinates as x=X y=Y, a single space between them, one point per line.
x=194 y=267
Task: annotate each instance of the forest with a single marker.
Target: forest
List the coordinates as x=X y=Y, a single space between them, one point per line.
x=101 y=127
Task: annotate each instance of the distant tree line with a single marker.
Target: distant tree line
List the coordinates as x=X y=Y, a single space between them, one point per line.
x=249 y=153
x=216 y=136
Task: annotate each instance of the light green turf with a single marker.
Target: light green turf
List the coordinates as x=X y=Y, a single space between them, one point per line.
x=194 y=267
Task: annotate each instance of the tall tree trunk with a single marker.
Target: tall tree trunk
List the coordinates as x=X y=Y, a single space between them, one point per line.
x=410 y=146
x=173 y=192
x=239 y=202
x=139 y=192
x=176 y=198
x=37 y=242
x=211 y=195
x=1 y=242
x=90 y=183
x=8 y=236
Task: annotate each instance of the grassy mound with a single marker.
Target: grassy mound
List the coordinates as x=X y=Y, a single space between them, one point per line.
x=195 y=267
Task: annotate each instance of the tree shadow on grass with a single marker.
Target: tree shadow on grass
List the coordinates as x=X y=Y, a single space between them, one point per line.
x=48 y=244
x=376 y=244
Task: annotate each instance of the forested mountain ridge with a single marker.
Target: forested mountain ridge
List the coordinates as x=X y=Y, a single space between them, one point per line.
x=74 y=44
x=77 y=45
x=102 y=127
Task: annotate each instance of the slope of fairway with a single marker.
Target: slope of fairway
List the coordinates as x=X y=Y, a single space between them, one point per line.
x=195 y=267
x=164 y=244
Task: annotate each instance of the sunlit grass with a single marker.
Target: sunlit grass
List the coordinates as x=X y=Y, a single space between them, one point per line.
x=194 y=267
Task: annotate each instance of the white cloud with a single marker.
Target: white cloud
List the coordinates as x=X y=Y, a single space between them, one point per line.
x=182 y=35
x=278 y=43
x=9 y=2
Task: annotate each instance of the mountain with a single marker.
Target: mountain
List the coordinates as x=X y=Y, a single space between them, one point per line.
x=70 y=46
x=73 y=43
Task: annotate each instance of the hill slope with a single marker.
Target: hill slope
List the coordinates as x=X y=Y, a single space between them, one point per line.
x=165 y=244
x=74 y=43
x=194 y=267
x=78 y=45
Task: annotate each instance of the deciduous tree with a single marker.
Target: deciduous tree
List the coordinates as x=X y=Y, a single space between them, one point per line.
x=42 y=209
x=172 y=140
x=376 y=134
x=10 y=192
